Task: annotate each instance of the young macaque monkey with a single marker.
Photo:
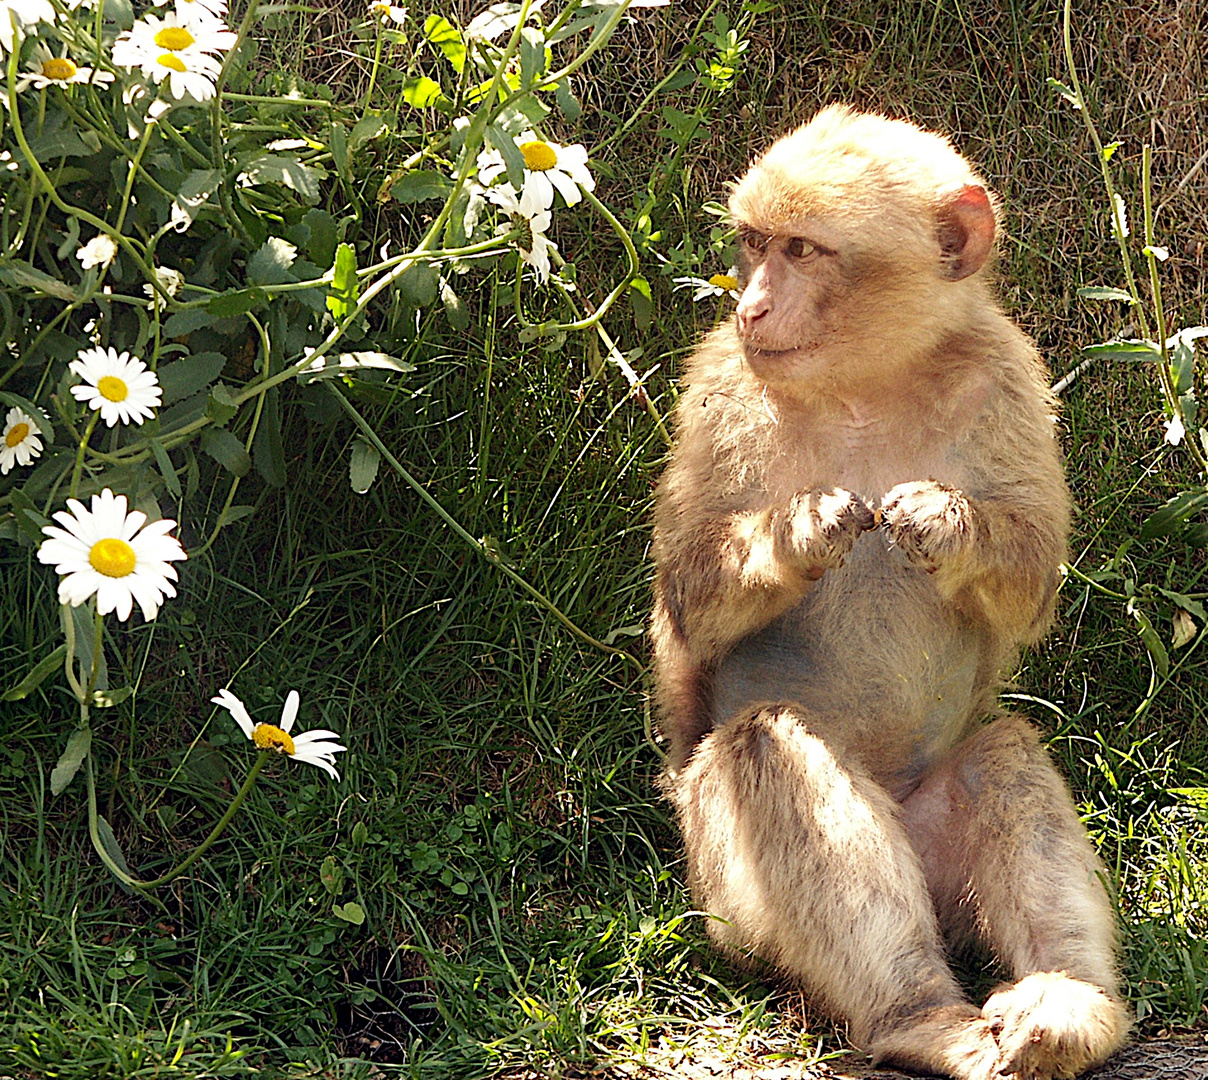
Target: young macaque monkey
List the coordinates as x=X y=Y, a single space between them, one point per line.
x=861 y=524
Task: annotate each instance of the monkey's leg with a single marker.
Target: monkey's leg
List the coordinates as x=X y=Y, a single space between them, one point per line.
x=1009 y=862
x=805 y=865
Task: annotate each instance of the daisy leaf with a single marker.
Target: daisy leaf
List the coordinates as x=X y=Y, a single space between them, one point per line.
x=70 y=760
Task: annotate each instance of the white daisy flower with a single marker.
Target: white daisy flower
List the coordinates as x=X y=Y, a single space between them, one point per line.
x=311 y=747
x=532 y=220
x=548 y=166
x=718 y=285
x=170 y=280
x=23 y=13
x=99 y=251
x=47 y=69
x=117 y=384
x=20 y=444
x=175 y=49
x=387 y=13
x=114 y=555
x=1175 y=430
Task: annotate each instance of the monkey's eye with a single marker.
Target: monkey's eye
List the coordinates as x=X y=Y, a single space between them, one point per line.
x=798 y=248
x=756 y=241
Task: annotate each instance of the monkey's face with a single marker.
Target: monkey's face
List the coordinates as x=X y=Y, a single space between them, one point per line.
x=852 y=262
x=788 y=312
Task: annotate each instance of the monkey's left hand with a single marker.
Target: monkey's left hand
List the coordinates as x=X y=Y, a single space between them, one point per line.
x=931 y=524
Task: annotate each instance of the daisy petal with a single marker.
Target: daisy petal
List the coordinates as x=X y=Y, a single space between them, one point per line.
x=290 y=713
x=237 y=709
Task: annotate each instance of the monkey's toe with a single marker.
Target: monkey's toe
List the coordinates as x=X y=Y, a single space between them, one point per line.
x=953 y=1040
x=1052 y=1027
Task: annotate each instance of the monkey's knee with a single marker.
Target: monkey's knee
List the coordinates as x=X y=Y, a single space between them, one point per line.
x=1031 y=880
x=757 y=762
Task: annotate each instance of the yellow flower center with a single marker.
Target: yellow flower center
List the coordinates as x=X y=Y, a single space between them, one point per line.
x=16 y=435
x=723 y=281
x=174 y=38
x=168 y=60
x=268 y=737
x=539 y=156
x=112 y=388
x=112 y=557
x=59 y=68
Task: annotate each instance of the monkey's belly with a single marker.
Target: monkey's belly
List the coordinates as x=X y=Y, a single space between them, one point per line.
x=891 y=676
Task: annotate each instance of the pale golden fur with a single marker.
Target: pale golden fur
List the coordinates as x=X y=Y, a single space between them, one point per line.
x=860 y=525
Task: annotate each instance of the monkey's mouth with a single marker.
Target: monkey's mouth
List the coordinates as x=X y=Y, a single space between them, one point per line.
x=757 y=355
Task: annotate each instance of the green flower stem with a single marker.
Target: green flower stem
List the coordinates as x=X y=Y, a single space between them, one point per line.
x=137 y=883
x=135 y=167
x=377 y=63
x=98 y=643
x=36 y=168
x=196 y=156
x=81 y=695
x=74 y=487
x=1155 y=284
x=216 y=139
x=260 y=99
x=1080 y=106
x=594 y=318
x=217 y=831
x=484 y=549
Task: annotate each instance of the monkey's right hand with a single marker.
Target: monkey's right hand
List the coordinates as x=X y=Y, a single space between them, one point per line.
x=820 y=528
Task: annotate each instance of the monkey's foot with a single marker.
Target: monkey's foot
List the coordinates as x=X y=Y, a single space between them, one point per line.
x=953 y=1040
x=1051 y=1026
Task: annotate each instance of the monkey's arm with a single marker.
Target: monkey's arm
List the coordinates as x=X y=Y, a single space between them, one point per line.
x=723 y=576
x=991 y=525
x=996 y=554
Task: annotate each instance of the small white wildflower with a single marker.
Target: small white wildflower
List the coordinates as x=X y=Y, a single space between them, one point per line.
x=117 y=384
x=176 y=49
x=1175 y=431
x=310 y=747
x=46 y=69
x=20 y=443
x=1119 y=216
x=548 y=167
x=171 y=281
x=24 y=14
x=532 y=219
x=718 y=285
x=99 y=251
x=117 y=556
x=385 y=13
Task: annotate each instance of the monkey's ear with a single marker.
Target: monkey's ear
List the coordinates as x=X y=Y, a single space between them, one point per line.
x=965 y=223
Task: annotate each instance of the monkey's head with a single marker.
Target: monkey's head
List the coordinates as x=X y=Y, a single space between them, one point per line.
x=862 y=239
